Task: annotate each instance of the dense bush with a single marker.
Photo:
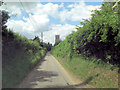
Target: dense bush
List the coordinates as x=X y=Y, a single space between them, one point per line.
x=19 y=56
x=99 y=36
x=48 y=46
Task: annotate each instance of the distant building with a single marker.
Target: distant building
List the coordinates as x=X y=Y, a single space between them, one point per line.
x=57 y=38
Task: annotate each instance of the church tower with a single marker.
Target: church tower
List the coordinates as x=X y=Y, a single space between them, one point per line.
x=57 y=38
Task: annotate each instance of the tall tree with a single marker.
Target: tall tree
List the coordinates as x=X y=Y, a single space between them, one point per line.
x=4 y=17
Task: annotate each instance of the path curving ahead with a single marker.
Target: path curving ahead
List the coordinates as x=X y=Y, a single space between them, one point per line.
x=48 y=74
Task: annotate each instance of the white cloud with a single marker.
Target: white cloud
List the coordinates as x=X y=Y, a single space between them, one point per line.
x=12 y=9
x=23 y=28
x=62 y=30
x=70 y=6
x=31 y=27
x=78 y=12
x=61 y=5
x=26 y=29
x=48 y=9
x=39 y=21
x=15 y=10
x=19 y=26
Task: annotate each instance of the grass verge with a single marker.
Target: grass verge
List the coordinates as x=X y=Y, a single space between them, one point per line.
x=97 y=75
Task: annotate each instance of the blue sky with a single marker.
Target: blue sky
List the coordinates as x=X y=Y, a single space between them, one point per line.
x=55 y=20
x=51 y=18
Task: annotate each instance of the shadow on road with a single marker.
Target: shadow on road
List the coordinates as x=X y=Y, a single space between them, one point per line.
x=73 y=86
x=41 y=76
x=38 y=75
x=76 y=85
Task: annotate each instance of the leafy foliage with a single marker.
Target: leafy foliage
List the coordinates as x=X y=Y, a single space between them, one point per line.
x=48 y=46
x=99 y=37
x=4 y=19
x=19 y=54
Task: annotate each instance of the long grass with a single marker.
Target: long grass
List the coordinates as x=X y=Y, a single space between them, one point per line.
x=98 y=75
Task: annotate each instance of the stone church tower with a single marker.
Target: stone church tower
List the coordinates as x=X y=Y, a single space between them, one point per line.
x=57 y=38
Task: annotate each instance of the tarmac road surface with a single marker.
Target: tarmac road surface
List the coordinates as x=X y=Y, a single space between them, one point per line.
x=48 y=74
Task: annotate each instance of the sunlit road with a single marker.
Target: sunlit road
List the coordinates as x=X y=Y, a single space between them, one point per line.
x=47 y=74
x=50 y=74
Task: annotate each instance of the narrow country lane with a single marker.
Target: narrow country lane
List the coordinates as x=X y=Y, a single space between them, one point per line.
x=47 y=74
